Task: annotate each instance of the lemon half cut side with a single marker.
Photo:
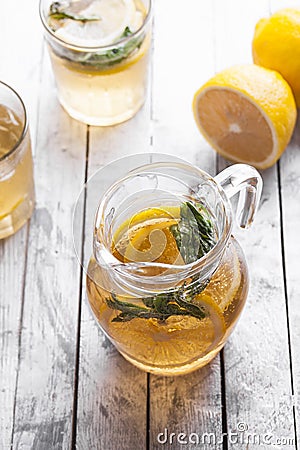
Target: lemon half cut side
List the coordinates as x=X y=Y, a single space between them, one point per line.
x=247 y=114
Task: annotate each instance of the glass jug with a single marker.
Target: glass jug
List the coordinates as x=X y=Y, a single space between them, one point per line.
x=166 y=280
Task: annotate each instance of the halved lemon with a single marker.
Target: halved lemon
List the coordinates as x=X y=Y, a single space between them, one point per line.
x=247 y=113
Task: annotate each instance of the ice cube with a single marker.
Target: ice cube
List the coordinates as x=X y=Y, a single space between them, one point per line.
x=114 y=17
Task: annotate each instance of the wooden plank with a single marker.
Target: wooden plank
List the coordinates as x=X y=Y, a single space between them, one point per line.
x=44 y=401
x=257 y=366
x=21 y=53
x=19 y=68
x=111 y=393
x=290 y=192
x=289 y=180
x=183 y=61
x=290 y=195
x=234 y=28
x=12 y=266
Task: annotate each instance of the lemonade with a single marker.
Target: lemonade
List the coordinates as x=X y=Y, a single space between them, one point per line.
x=100 y=53
x=166 y=280
x=182 y=329
x=16 y=172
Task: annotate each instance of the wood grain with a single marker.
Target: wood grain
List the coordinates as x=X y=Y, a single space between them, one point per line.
x=44 y=400
x=290 y=193
x=117 y=406
x=257 y=366
x=20 y=55
x=184 y=59
x=12 y=266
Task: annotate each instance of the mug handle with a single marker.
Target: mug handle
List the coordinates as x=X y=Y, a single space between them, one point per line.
x=245 y=180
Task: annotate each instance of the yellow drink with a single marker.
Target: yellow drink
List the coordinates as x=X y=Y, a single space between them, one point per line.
x=179 y=343
x=16 y=173
x=100 y=65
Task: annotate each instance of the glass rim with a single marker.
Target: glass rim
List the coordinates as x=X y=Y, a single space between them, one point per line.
x=83 y=48
x=25 y=126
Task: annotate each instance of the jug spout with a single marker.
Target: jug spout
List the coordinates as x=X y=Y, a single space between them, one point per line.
x=245 y=180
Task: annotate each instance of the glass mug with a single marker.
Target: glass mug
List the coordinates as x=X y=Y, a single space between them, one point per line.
x=16 y=168
x=166 y=312
x=100 y=80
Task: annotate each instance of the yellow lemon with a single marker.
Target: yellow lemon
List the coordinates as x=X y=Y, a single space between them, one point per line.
x=146 y=237
x=276 y=45
x=247 y=113
x=153 y=242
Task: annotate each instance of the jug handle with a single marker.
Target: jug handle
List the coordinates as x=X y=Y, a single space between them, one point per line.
x=245 y=180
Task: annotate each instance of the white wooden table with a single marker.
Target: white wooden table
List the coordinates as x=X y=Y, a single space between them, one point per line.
x=62 y=384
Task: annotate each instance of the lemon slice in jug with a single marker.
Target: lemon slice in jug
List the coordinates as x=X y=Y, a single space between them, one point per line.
x=178 y=340
x=225 y=282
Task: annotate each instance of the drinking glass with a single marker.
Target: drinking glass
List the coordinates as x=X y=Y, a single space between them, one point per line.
x=99 y=81
x=16 y=168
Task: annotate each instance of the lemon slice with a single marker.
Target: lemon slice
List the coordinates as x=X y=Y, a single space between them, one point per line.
x=151 y=241
x=247 y=113
x=171 y=212
x=115 y=16
x=178 y=340
x=225 y=282
x=131 y=240
x=214 y=313
x=12 y=209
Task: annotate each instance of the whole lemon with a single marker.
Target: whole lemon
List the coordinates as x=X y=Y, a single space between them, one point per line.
x=276 y=45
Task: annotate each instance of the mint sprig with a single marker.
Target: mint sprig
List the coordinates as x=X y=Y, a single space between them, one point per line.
x=58 y=11
x=114 y=55
x=160 y=307
x=194 y=234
